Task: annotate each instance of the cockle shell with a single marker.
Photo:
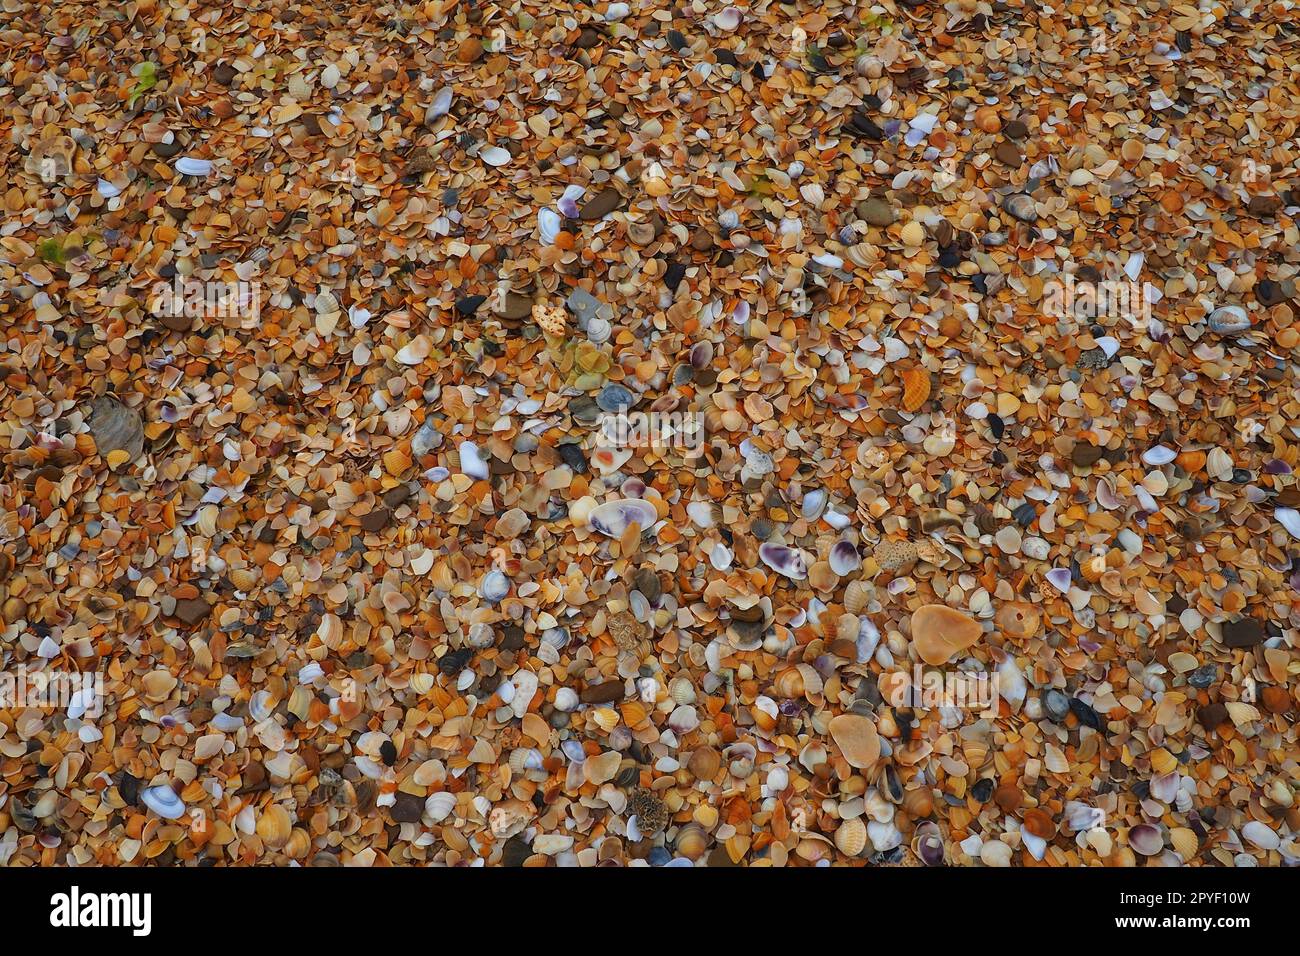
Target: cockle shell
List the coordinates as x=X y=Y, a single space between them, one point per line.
x=439 y=806
x=494 y=155
x=856 y=596
x=613 y=518
x=851 y=837
x=916 y=387
x=549 y=226
x=1229 y=320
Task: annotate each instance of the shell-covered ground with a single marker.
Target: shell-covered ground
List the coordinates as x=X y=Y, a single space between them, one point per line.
x=958 y=346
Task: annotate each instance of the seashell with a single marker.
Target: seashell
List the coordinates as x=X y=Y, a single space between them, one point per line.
x=814 y=503
x=916 y=387
x=821 y=577
x=509 y=818
x=568 y=201
x=740 y=759
x=701 y=356
x=1018 y=619
x=493 y=587
x=1060 y=579
x=683 y=719
x=116 y=428
x=494 y=155
x=844 y=558
x=440 y=105
x=851 y=837
x=471 y=461
x=927 y=844
x=995 y=853
x=857 y=739
x=705 y=763
x=727 y=19
x=1145 y=839
x=856 y=596
x=1021 y=207
x=893 y=555
x=549 y=226
x=602 y=767
x=189 y=166
x=613 y=518
x=439 y=806
x=163 y=801
x=566 y=699
x=939 y=632
x=681 y=690
x=274 y=826
x=606 y=718
x=1229 y=320
x=789 y=683
x=1254 y=832
x=691 y=841
x=789 y=562
x=1158 y=455
x=1288 y=518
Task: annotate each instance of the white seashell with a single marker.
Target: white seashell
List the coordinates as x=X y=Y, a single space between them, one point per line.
x=683 y=719
x=616 y=12
x=494 y=586
x=260 y=706
x=599 y=331
x=549 y=225
x=728 y=19
x=1158 y=455
x=525 y=689
x=1229 y=320
x=844 y=558
x=1288 y=518
x=107 y=189
x=1059 y=578
x=439 y=806
x=720 y=557
x=789 y=562
x=163 y=801
x=440 y=106
x=189 y=166
x=613 y=518
x=471 y=462
x=814 y=503
x=566 y=700
x=494 y=155
x=1261 y=835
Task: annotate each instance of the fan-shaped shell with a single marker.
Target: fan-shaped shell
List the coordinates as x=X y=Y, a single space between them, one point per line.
x=851 y=837
x=916 y=388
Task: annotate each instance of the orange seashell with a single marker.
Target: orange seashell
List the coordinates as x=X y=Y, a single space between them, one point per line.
x=916 y=388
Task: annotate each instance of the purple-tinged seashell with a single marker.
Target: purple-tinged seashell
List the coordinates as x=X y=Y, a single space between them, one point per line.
x=615 y=517
x=1164 y=787
x=898 y=585
x=633 y=488
x=844 y=558
x=786 y=561
x=1106 y=496
x=568 y=203
x=740 y=314
x=790 y=707
x=1158 y=455
x=1059 y=578
x=168 y=413
x=701 y=355
x=1276 y=466
x=1088 y=647
x=1145 y=839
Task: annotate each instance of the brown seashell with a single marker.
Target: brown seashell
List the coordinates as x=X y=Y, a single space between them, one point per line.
x=847 y=627
x=851 y=837
x=916 y=387
x=891 y=555
x=1039 y=824
x=705 y=763
x=857 y=739
x=1018 y=619
x=691 y=841
x=274 y=826
x=116 y=428
x=939 y=632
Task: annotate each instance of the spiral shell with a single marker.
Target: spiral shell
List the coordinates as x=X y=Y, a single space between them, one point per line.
x=851 y=837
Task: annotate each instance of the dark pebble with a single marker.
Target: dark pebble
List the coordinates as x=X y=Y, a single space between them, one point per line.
x=388 y=753
x=224 y=73
x=512 y=637
x=1244 y=633
x=407 y=808
x=1087 y=716
x=515 y=852
x=1085 y=455
x=453 y=662
x=1211 y=715
x=601 y=204
x=603 y=693
x=673 y=275
x=1056 y=704
x=1017 y=129
x=376 y=520
x=469 y=305
x=191 y=611
x=982 y=790
x=571 y=454
x=396 y=497
x=1203 y=676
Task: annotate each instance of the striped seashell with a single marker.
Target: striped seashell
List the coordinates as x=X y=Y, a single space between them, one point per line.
x=439 y=806
x=916 y=388
x=851 y=837
x=856 y=596
x=606 y=718
x=682 y=691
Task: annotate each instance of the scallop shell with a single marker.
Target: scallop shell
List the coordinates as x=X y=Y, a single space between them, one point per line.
x=851 y=837
x=682 y=691
x=916 y=387
x=439 y=806
x=856 y=596
x=605 y=717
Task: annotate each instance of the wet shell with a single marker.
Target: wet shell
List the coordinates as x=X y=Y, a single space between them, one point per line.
x=916 y=388
x=851 y=837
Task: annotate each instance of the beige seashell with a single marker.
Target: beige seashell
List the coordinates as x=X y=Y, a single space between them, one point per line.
x=847 y=627
x=851 y=837
x=691 y=841
x=605 y=717
x=299 y=844
x=705 y=763
x=681 y=690
x=510 y=817
x=856 y=597
x=857 y=739
x=116 y=428
x=274 y=826
x=821 y=577
x=602 y=767
x=939 y=632
x=158 y=685
x=789 y=683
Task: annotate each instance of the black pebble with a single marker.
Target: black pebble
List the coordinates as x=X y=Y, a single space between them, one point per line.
x=982 y=790
x=727 y=57
x=454 y=662
x=997 y=426
x=674 y=275
x=676 y=40
x=469 y=305
x=388 y=753
x=572 y=455
x=1087 y=716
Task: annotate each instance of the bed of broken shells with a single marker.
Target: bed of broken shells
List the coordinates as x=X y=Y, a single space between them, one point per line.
x=364 y=590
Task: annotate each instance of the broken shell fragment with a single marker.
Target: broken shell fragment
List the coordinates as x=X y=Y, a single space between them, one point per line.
x=613 y=518
x=939 y=632
x=857 y=739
